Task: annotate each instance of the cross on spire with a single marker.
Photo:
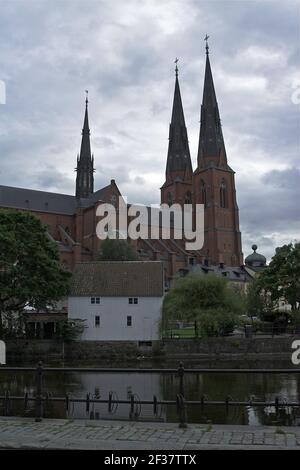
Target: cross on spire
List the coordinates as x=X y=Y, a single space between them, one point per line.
x=206 y=40
x=176 y=67
x=86 y=96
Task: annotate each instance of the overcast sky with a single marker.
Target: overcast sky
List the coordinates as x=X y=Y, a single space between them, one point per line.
x=123 y=52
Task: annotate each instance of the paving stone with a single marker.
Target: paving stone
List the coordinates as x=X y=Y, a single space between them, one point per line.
x=25 y=433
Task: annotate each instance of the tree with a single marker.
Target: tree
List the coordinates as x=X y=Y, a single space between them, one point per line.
x=116 y=250
x=209 y=300
x=254 y=302
x=70 y=330
x=30 y=270
x=281 y=279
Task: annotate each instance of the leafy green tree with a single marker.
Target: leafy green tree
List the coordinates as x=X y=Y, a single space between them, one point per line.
x=281 y=279
x=30 y=270
x=209 y=300
x=69 y=330
x=257 y=302
x=116 y=250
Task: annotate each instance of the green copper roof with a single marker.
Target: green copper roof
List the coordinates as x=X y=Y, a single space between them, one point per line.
x=255 y=258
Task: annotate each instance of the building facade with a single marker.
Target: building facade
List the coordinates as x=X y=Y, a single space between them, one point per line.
x=71 y=219
x=118 y=301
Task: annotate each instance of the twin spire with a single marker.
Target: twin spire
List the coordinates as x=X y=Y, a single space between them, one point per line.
x=211 y=149
x=85 y=160
x=179 y=159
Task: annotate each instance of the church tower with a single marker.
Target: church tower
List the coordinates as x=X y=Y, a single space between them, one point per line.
x=179 y=173
x=214 y=184
x=85 y=161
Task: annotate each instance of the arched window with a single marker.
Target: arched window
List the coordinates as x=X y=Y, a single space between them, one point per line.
x=203 y=193
x=223 y=195
x=188 y=198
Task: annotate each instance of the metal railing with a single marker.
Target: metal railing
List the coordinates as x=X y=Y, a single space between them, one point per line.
x=41 y=397
x=191 y=331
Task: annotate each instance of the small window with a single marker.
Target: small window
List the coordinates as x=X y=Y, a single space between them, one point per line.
x=135 y=300
x=92 y=300
x=97 y=321
x=203 y=193
x=97 y=300
x=223 y=195
x=129 y=320
x=188 y=198
x=130 y=300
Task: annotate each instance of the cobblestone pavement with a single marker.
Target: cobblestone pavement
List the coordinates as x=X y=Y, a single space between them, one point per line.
x=22 y=433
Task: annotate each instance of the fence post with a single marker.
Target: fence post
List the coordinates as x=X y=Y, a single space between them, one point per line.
x=276 y=405
x=39 y=398
x=181 y=400
x=131 y=414
x=181 y=376
x=6 y=404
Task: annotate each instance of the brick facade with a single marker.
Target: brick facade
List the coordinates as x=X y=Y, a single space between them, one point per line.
x=71 y=220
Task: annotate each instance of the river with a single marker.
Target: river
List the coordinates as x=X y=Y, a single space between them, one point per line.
x=240 y=387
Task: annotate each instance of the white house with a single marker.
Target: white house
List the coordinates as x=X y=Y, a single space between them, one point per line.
x=119 y=300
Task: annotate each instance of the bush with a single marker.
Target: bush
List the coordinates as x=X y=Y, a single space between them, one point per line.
x=295 y=318
x=216 y=322
x=209 y=300
x=116 y=250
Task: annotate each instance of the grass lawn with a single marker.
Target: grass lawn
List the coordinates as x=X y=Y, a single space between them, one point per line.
x=180 y=333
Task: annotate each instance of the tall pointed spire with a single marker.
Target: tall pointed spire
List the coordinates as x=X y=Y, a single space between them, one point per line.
x=85 y=150
x=211 y=149
x=85 y=161
x=179 y=163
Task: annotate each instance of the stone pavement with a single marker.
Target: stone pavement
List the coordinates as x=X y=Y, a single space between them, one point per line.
x=25 y=433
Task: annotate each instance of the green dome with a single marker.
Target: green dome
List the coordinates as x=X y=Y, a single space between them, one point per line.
x=255 y=259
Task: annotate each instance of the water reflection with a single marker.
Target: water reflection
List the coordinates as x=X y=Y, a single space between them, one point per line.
x=259 y=387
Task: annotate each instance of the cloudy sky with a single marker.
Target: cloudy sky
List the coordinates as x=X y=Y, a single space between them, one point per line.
x=123 y=52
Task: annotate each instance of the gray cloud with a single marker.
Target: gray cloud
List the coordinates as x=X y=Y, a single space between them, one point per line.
x=123 y=53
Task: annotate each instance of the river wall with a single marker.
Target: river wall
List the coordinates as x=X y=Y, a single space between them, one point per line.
x=210 y=348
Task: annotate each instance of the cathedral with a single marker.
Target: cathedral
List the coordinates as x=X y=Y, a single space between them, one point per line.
x=71 y=219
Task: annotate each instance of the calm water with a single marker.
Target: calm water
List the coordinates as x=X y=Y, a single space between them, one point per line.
x=164 y=386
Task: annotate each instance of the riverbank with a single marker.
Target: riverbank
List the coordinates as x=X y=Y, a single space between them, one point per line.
x=218 y=349
x=25 y=433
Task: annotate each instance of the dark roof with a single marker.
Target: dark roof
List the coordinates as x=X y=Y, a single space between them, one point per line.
x=178 y=152
x=85 y=149
x=256 y=261
x=42 y=201
x=118 y=279
x=233 y=273
x=211 y=142
x=100 y=195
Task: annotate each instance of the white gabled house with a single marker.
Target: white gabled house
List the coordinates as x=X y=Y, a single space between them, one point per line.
x=119 y=300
